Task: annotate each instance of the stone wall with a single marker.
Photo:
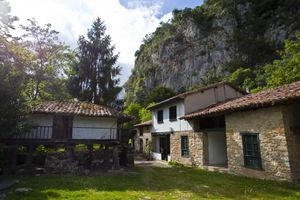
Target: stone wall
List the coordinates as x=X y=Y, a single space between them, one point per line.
x=291 y=120
x=146 y=135
x=195 y=148
x=268 y=122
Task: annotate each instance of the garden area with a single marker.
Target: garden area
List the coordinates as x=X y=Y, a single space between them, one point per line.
x=144 y=182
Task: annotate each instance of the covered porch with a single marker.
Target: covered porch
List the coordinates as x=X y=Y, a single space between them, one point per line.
x=214 y=140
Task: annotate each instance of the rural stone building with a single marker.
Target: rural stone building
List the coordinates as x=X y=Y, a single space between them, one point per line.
x=260 y=134
x=218 y=128
x=173 y=138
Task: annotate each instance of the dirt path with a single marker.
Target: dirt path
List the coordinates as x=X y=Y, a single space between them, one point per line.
x=154 y=163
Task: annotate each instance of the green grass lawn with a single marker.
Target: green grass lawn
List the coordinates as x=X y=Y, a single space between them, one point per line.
x=154 y=183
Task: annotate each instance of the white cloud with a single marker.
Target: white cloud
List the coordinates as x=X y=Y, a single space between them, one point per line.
x=72 y=18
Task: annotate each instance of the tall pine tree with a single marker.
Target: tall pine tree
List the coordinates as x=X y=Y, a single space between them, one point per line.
x=95 y=77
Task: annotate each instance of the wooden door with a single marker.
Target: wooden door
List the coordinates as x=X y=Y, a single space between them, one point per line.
x=62 y=127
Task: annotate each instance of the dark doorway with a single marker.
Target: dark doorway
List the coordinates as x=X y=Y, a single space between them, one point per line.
x=164 y=145
x=62 y=127
x=141 y=145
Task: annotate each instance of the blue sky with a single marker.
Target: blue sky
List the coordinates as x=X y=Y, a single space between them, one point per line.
x=127 y=21
x=167 y=5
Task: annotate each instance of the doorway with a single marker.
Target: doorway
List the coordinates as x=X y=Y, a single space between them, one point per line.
x=62 y=127
x=164 y=146
x=217 y=149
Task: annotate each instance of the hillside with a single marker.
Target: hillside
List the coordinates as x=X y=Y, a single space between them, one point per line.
x=206 y=44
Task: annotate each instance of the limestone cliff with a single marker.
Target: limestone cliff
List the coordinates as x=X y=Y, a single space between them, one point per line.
x=203 y=45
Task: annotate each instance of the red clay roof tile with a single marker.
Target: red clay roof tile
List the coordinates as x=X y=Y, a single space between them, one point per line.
x=76 y=108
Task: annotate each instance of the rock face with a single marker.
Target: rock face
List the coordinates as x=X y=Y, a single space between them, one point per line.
x=201 y=46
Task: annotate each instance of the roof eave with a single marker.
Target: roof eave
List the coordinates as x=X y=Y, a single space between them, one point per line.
x=167 y=101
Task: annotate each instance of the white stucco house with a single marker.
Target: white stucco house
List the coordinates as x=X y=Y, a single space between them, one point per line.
x=169 y=131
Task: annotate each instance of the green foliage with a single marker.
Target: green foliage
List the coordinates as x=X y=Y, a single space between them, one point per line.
x=47 y=62
x=281 y=71
x=243 y=77
x=133 y=110
x=158 y=94
x=145 y=114
x=14 y=105
x=287 y=69
x=94 y=77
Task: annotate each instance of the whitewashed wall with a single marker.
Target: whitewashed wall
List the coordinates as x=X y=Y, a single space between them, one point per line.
x=94 y=128
x=167 y=125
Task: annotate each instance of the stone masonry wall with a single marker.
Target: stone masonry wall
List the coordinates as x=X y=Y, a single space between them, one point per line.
x=195 y=148
x=268 y=122
x=146 y=135
x=291 y=120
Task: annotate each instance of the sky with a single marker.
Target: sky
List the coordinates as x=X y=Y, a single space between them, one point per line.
x=127 y=21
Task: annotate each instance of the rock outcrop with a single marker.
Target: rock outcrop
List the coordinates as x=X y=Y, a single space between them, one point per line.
x=205 y=44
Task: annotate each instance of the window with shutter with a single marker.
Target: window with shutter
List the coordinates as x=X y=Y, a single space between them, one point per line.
x=185 y=146
x=251 y=149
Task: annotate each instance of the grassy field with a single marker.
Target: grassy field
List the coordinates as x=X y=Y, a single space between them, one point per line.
x=154 y=183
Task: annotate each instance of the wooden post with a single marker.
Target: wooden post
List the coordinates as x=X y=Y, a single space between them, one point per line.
x=90 y=148
x=70 y=151
x=116 y=160
x=12 y=157
x=30 y=151
x=106 y=157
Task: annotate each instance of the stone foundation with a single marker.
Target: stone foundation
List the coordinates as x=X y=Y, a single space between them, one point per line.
x=195 y=148
x=64 y=163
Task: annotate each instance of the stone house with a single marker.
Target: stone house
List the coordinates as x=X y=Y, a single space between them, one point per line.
x=255 y=135
x=173 y=138
x=142 y=138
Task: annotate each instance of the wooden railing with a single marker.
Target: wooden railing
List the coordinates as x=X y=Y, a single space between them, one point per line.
x=78 y=133
x=37 y=132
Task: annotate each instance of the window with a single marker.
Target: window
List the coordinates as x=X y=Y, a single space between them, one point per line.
x=252 y=157
x=172 y=113
x=184 y=146
x=160 y=116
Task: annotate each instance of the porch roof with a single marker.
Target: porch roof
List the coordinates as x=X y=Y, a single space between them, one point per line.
x=77 y=108
x=147 y=123
x=280 y=95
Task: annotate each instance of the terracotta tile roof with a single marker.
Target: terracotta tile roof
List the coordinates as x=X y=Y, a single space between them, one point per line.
x=146 y=123
x=76 y=108
x=271 y=97
x=182 y=95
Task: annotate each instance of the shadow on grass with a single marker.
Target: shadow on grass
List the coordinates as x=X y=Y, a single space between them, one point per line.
x=198 y=183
